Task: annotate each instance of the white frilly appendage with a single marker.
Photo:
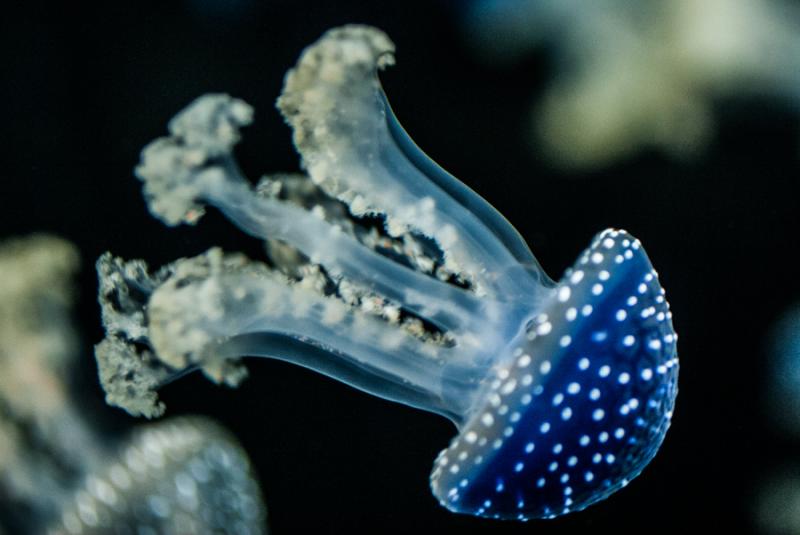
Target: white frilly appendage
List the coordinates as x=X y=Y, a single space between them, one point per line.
x=383 y=270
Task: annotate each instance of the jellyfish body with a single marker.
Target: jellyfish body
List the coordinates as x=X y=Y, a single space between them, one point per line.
x=585 y=403
x=443 y=307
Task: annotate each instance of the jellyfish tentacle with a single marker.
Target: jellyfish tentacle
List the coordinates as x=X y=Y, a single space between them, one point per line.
x=194 y=167
x=334 y=103
x=215 y=308
x=449 y=307
x=460 y=192
x=347 y=369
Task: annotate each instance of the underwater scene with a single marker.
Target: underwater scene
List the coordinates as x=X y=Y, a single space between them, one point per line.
x=487 y=266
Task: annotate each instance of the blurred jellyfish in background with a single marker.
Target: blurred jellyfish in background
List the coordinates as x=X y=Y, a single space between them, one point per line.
x=777 y=507
x=59 y=472
x=783 y=375
x=632 y=75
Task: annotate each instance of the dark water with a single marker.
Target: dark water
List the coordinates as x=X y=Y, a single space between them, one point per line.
x=84 y=89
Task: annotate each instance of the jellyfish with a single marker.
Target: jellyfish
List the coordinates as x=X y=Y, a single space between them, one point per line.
x=60 y=471
x=782 y=385
x=776 y=503
x=385 y=272
x=777 y=496
x=633 y=76
x=182 y=475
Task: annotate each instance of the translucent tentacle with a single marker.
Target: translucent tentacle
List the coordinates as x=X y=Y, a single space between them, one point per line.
x=334 y=103
x=194 y=166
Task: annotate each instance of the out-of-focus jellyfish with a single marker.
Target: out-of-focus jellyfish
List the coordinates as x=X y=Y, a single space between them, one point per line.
x=776 y=507
x=562 y=392
x=634 y=74
x=776 y=504
x=59 y=473
x=782 y=386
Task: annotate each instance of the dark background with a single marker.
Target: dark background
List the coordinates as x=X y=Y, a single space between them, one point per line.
x=84 y=89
